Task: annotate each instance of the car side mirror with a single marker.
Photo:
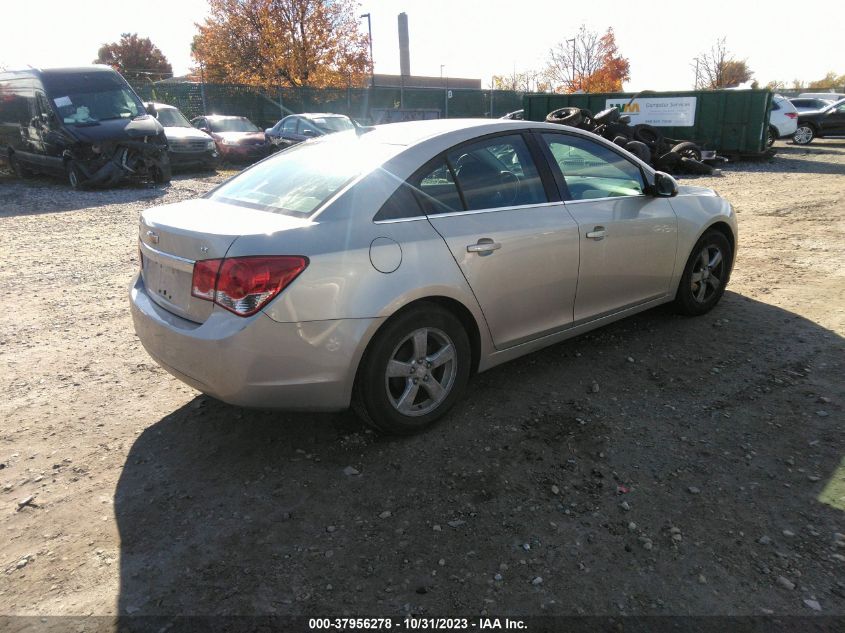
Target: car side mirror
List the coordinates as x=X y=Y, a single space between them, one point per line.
x=664 y=185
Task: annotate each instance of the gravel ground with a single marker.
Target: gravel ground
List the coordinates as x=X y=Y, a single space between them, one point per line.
x=704 y=475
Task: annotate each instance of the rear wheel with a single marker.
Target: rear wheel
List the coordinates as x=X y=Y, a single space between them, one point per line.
x=414 y=371
x=705 y=275
x=804 y=135
x=771 y=136
x=162 y=174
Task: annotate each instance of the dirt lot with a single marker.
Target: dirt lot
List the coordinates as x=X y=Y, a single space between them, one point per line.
x=706 y=476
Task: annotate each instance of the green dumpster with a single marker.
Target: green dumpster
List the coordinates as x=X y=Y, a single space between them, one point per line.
x=729 y=121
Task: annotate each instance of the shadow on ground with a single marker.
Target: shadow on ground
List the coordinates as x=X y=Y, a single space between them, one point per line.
x=647 y=497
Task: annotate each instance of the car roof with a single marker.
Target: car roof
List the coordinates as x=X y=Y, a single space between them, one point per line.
x=413 y=132
x=321 y=115
x=218 y=117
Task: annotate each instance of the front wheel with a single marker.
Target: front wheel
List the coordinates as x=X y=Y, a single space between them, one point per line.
x=414 y=371
x=804 y=134
x=75 y=177
x=771 y=136
x=705 y=275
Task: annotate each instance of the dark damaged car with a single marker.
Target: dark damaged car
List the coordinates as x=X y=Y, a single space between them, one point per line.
x=86 y=124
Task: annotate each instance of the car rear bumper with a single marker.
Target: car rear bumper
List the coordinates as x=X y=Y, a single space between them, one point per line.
x=255 y=361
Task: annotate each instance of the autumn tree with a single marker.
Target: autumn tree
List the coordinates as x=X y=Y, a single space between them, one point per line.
x=717 y=68
x=589 y=62
x=830 y=80
x=283 y=42
x=136 y=58
x=519 y=81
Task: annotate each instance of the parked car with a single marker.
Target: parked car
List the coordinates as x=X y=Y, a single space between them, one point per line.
x=516 y=115
x=783 y=119
x=237 y=138
x=827 y=122
x=187 y=146
x=383 y=269
x=809 y=104
x=830 y=96
x=84 y=124
x=296 y=128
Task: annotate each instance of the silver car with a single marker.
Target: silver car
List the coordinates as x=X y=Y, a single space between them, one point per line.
x=383 y=267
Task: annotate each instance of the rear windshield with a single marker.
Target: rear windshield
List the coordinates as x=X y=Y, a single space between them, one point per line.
x=232 y=125
x=299 y=180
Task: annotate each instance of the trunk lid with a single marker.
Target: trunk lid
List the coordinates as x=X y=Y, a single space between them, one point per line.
x=173 y=237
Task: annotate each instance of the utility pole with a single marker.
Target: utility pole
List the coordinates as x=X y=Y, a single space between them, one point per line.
x=372 y=63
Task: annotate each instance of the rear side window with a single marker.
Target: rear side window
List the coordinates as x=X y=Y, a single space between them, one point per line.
x=290 y=125
x=592 y=170
x=497 y=172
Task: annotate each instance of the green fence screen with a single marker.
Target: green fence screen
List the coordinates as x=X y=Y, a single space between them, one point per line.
x=266 y=106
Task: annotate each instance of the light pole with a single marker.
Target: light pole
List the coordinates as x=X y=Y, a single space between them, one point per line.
x=573 y=62
x=445 y=93
x=372 y=64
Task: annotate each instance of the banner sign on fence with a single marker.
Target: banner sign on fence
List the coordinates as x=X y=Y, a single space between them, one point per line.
x=657 y=111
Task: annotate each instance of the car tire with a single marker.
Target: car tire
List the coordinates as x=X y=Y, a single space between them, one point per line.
x=75 y=177
x=693 y=167
x=640 y=150
x=391 y=401
x=565 y=116
x=771 y=136
x=17 y=168
x=647 y=134
x=668 y=162
x=804 y=135
x=609 y=115
x=621 y=141
x=688 y=149
x=697 y=290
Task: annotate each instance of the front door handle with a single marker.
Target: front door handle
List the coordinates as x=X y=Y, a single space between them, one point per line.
x=484 y=246
x=598 y=233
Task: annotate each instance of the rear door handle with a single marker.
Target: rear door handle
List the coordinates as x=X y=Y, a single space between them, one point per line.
x=598 y=233
x=484 y=246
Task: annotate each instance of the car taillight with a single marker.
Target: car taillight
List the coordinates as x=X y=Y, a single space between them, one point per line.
x=243 y=285
x=791 y=115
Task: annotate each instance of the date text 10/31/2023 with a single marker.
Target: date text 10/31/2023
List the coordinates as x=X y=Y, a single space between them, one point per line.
x=416 y=623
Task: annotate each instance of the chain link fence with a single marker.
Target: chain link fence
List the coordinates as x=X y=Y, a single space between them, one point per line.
x=266 y=106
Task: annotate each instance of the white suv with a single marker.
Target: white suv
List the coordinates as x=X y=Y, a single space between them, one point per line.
x=783 y=120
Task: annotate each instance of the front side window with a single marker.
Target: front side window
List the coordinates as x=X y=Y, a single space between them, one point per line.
x=592 y=170
x=290 y=125
x=497 y=172
x=333 y=124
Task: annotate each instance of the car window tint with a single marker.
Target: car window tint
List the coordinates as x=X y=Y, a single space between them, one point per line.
x=497 y=172
x=402 y=204
x=290 y=125
x=592 y=170
x=435 y=189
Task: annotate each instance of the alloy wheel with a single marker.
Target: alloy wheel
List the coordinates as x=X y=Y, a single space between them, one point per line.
x=803 y=135
x=707 y=273
x=421 y=372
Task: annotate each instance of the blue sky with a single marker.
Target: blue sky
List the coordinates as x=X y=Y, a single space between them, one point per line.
x=474 y=39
